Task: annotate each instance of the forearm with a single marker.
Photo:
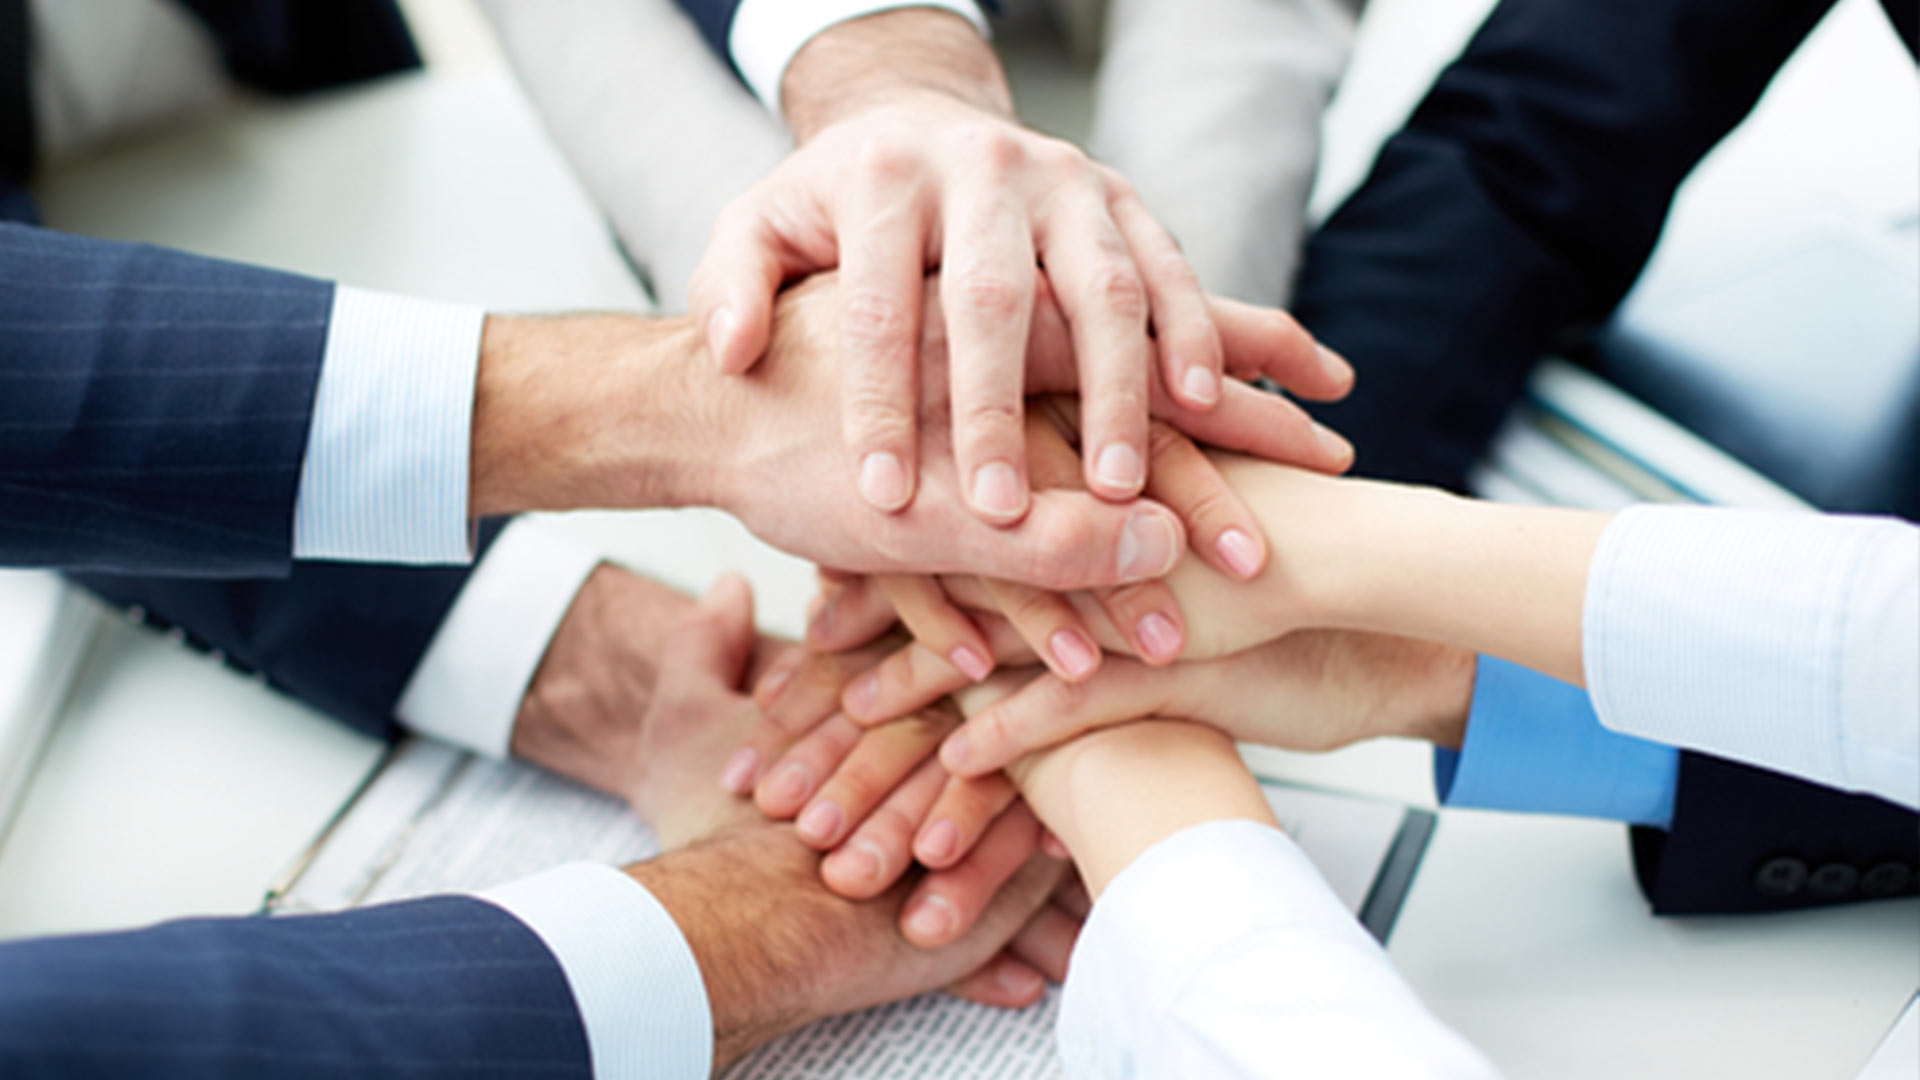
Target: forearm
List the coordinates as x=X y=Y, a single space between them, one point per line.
x=1112 y=794
x=583 y=411
x=872 y=60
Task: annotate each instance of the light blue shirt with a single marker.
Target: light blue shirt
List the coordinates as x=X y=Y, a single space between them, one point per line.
x=1535 y=744
x=385 y=478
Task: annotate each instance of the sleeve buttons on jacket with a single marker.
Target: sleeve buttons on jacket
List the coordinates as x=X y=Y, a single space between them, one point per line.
x=1886 y=879
x=1833 y=881
x=1780 y=876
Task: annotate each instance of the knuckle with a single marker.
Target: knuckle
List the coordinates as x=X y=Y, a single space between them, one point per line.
x=1060 y=156
x=1166 y=446
x=996 y=417
x=1210 y=506
x=991 y=146
x=886 y=159
x=994 y=298
x=877 y=323
x=1118 y=288
x=1060 y=545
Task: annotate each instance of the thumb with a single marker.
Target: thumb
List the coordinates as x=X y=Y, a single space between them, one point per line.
x=716 y=637
x=731 y=293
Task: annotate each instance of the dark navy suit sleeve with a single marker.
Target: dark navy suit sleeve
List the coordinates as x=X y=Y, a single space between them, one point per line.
x=342 y=637
x=154 y=406
x=443 y=987
x=1506 y=221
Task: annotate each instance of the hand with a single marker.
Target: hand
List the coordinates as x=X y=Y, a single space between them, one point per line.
x=910 y=160
x=775 y=949
x=1312 y=690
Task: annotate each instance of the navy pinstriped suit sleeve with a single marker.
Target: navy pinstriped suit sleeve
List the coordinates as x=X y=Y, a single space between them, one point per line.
x=154 y=406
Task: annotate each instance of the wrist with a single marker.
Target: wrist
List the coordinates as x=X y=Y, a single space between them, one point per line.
x=580 y=411
x=887 y=58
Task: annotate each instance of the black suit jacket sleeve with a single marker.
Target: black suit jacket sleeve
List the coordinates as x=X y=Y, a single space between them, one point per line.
x=1520 y=203
x=342 y=637
x=154 y=406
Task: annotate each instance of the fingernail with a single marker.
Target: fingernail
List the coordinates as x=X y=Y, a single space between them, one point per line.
x=1331 y=442
x=772 y=683
x=790 y=784
x=1239 y=552
x=883 y=481
x=940 y=841
x=1146 y=547
x=970 y=662
x=862 y=860
x=1072 y=652
x=1119 y=467
x=932 y=919
x=1334 y=364
x=1201 y=385
x=862 y=694
x=720 y=330
x=1018 y=981
x=820 y=822
x=996 y=489
x=1158 y=636
x=737 y=777
x=953 y=753
x=820 y=627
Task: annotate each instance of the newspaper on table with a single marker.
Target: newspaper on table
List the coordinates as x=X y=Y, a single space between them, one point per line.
x=436 y=819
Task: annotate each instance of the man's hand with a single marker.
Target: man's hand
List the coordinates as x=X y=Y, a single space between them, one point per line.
x=910 y=160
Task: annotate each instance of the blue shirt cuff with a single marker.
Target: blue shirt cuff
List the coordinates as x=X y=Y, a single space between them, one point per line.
x=1534 y=744
x=386 y=471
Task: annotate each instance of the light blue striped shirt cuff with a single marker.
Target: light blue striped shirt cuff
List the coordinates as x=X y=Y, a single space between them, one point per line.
x=633 y=976
x=1534 y=744
x=386 y=472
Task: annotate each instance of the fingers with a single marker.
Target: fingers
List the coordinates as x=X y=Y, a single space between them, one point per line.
x=797 y=695
x=1105 y=303
x=966 y=807
x=911 y=678
x=730 y=295
x=1048 y=711
x=1004 y=982
x=948 y=902
x=878 y=762
x=787 y=786
x=883 y=258
x=1046 y=942
x=878 y=852
x=849 y=612
x=1221 y=528
x=1267 y=341
x=1191 y=357
x=1148 y=616
x=937 y=624
x=1071 y=540
x=1050 y=625
x=986 y=298
x=1266 y=426
x=717 y=636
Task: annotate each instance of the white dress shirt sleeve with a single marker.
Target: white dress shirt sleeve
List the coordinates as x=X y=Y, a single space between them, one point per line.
x=385 y=476
x=1787 y=641
x=468 y=685
x=1222 y=953
x=767 y=34
x=633 y=976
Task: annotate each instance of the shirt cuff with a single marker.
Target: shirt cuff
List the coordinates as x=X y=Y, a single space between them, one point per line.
x=634 y=978
x=767 y=34
x=467 y=687
x=386 y=469
x=1534 y=744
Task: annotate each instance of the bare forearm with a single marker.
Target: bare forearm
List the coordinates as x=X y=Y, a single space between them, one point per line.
x=873 y=60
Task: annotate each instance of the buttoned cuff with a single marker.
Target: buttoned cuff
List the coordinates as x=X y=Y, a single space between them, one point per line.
x=386 y=470
x=468 y=686
x=634 y=978
x=1534 y=744
x=767 y=34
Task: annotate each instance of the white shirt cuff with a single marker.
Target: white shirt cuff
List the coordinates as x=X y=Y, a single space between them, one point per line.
x=1221 y=952
x=633 y=976
x=767 y=34
x=1784 y=640
x=468 y=685
x=385 y=475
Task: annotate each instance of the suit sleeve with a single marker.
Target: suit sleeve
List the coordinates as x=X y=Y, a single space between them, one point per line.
x=1520 y=202
x=342 y=637
x=447 y=986
x=154 y=407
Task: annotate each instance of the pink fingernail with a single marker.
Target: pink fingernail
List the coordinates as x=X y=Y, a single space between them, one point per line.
x=1147 y=548
x=940 y=841
x=820 y=823
x=1158 y=636
x=862 y=860
x=883 y=482
x=790 y=784
x=996 y=489
x=1201 y=386
x=932 y=919
x=1018 y=981
x=971 y=663
x=719 y=331
x=1073 y=653
x=861 y=695
x=1332 y=443
x=737 y=777
x=1239 y=552
x=953 y=753
x=1119 y=467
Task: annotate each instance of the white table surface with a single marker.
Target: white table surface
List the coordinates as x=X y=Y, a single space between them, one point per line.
x=173 y=787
